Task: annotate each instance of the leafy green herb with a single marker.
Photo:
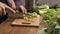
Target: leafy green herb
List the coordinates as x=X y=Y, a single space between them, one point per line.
x=50 y=18
x=31 y=16
x=47 y=13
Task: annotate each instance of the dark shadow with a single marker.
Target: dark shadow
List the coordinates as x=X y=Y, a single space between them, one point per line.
x=24 y=26
x=3 y=18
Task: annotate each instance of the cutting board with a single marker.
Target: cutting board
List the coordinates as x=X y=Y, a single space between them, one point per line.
x=23 y=22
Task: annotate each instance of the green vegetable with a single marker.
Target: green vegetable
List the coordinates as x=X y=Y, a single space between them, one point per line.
x=31 y=16
x=42 y=31
x=43 y=8
x=52 y=28
x=49 y=18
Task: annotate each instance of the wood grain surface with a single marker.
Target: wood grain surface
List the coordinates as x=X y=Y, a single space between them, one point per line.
x=22 y=22
x=7 y=28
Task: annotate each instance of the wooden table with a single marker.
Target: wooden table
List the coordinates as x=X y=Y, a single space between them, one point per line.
x=7 y=28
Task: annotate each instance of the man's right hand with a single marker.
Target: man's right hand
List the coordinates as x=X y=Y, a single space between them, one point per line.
x=14 y=7
x=4 y=6
x=12 y=4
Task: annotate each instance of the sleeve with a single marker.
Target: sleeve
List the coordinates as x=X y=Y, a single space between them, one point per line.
x=18 y=2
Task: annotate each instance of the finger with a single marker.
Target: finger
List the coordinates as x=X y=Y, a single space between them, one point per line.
x=17 y=11
x=25 y=11
x=0 y=11
x=4 y=12
x=22 y=10
x=10 y=9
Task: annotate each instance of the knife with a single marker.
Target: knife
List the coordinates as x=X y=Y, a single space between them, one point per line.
x=18 y=15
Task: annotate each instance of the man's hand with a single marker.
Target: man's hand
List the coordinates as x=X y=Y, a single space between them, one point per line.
x=12 y=4
x=24 y=10
x=14 y=7
x=4 y=6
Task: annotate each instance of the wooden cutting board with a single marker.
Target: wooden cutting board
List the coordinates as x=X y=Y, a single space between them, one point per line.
x=22 y=22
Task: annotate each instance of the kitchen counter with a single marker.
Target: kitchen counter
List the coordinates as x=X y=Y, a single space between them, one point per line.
x=7 y=28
